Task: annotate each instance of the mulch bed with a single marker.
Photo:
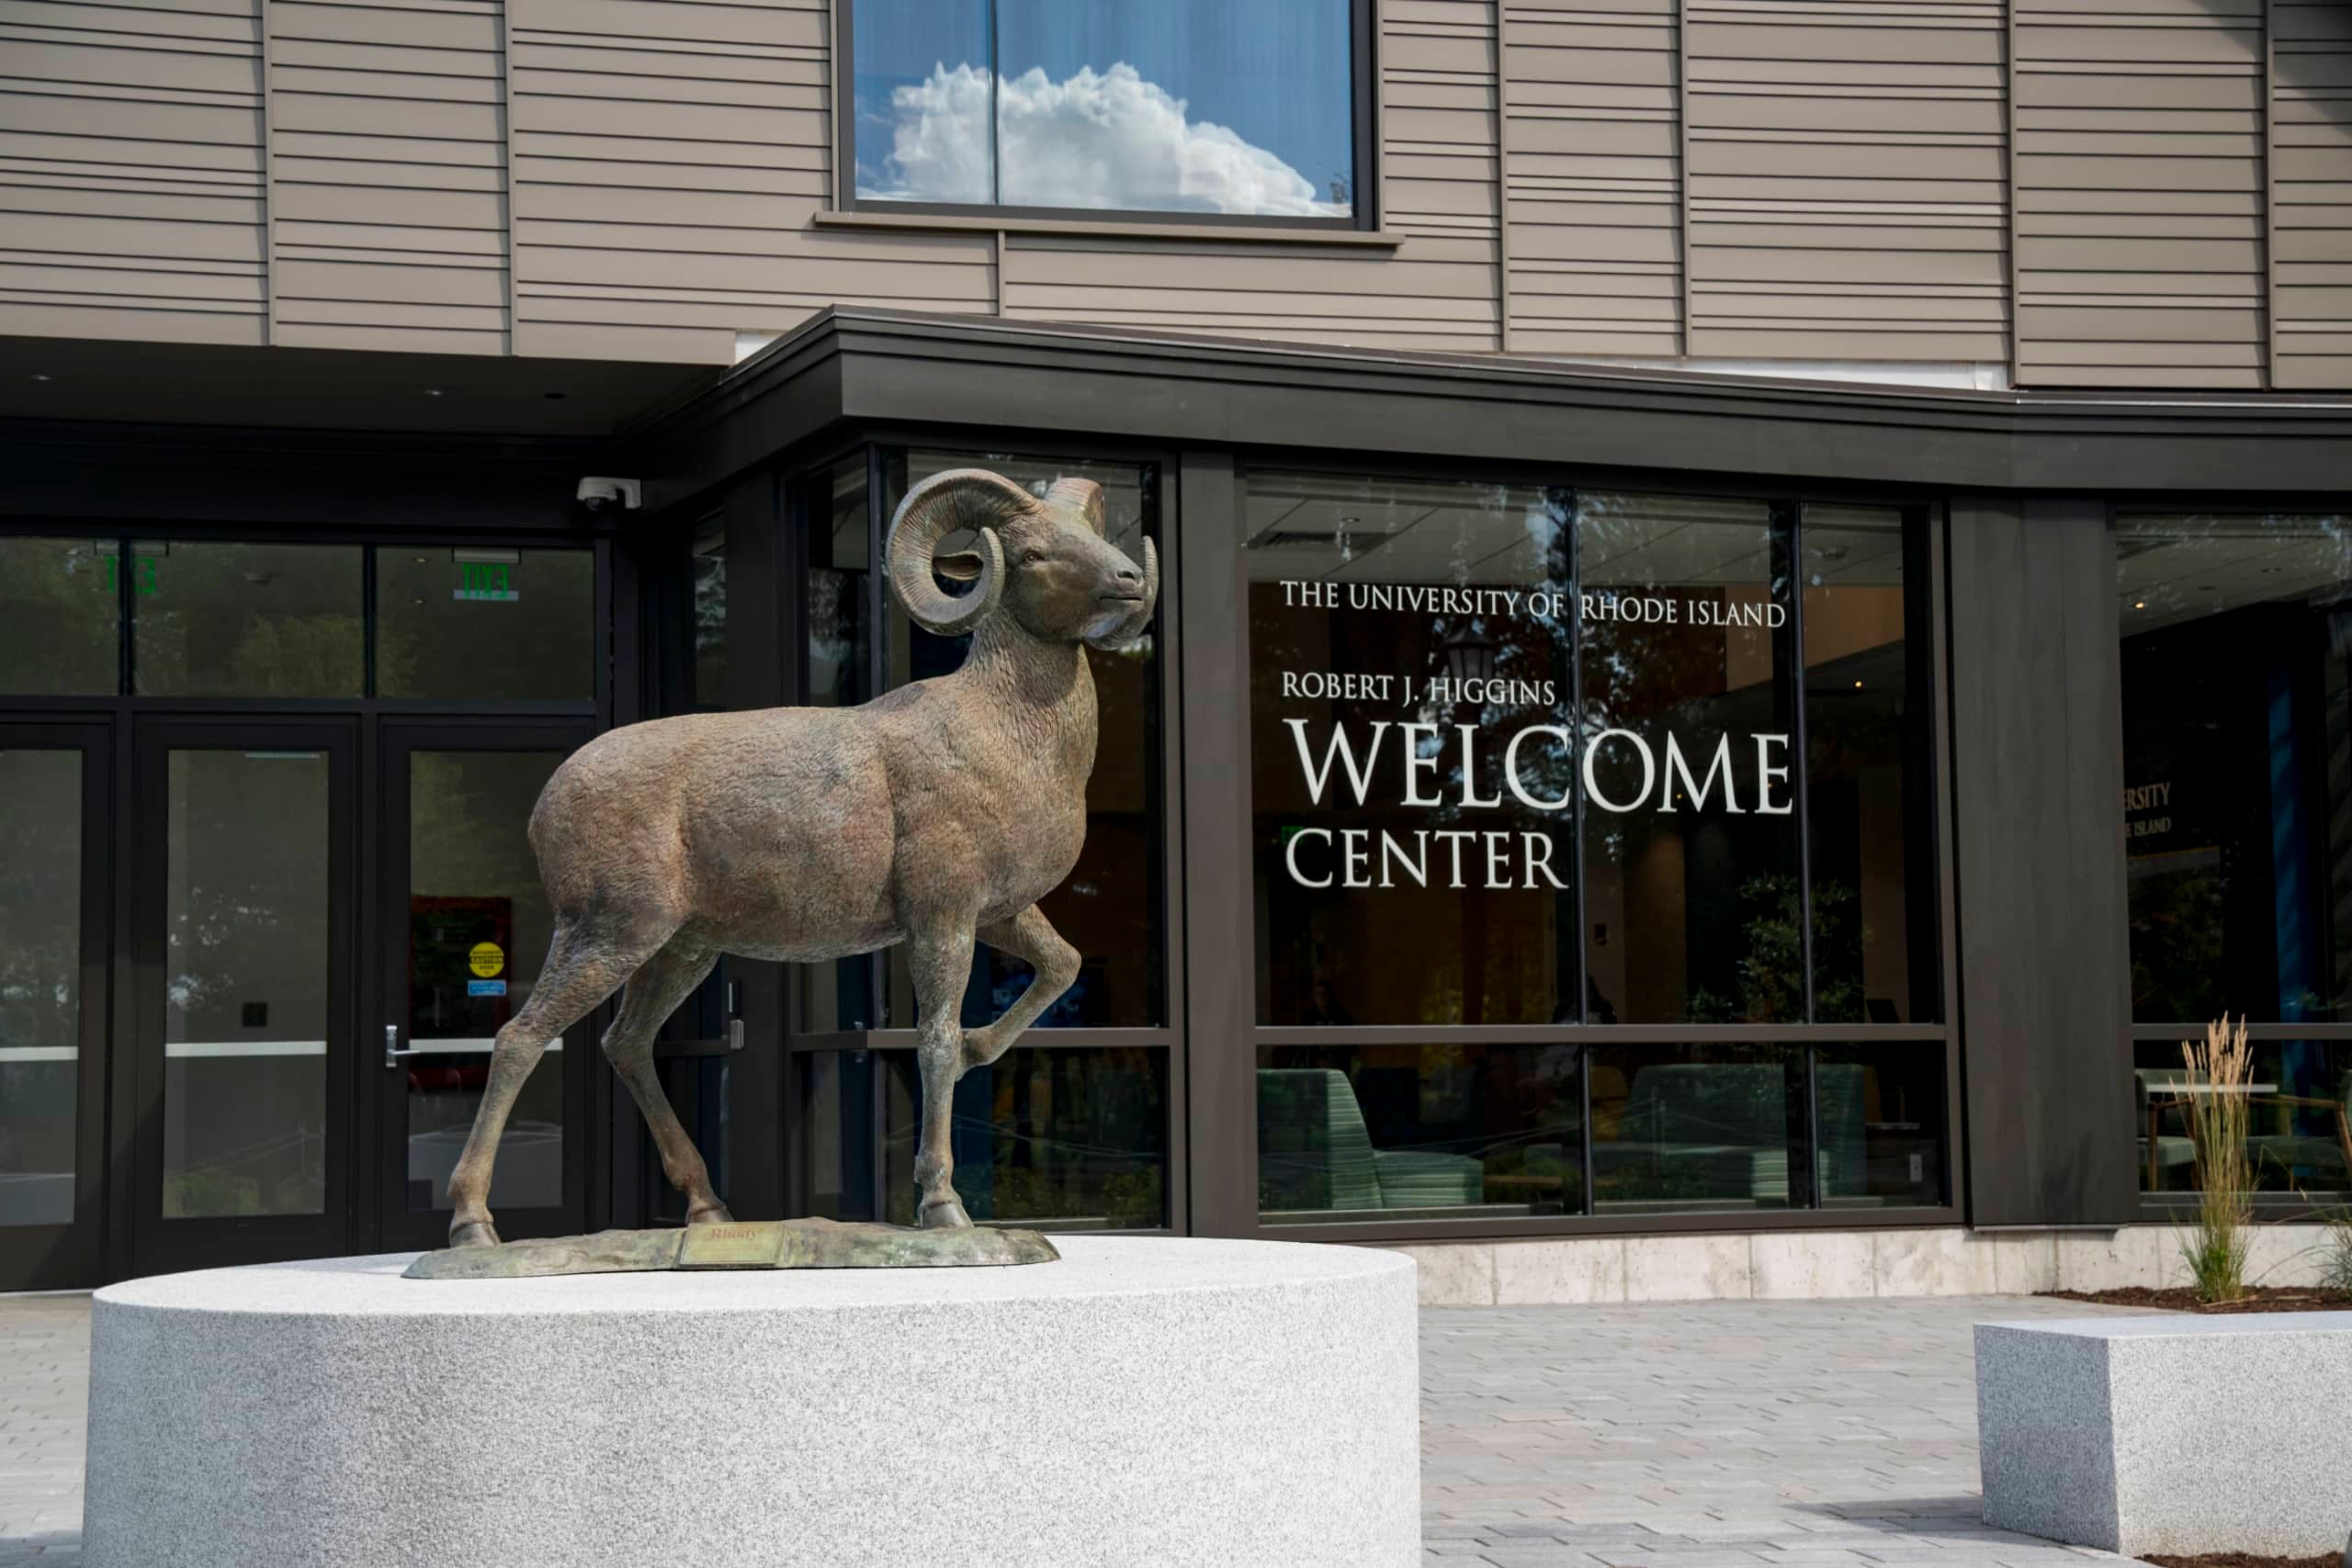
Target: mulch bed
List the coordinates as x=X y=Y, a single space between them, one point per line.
x=2257 y=1298
x=2244 y=1559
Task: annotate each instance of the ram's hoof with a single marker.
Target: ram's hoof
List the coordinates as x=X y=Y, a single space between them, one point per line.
x=716 y=1215
x=472 y=1232
x=942 y=1214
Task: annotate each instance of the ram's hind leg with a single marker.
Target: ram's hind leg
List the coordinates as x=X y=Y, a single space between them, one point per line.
x=1027 y=936
x=584 y=965
x=668 y=979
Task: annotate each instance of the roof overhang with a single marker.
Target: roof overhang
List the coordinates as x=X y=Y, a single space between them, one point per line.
x=903 y=367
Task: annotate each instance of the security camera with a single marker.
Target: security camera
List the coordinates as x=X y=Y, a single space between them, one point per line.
x=599 y=494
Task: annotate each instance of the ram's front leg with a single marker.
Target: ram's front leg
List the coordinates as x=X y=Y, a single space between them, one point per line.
x=940 y=953
x=1027 y=936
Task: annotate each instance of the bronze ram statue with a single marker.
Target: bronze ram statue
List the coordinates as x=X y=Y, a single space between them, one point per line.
x=936 y=816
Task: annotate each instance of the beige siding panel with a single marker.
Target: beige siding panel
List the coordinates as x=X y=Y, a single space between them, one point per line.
x=389 y=173
x=1848 y=180
x=2140 y=174
x=130 y=170
x=667 y=161
x=2311 y=176
x=1593 y=176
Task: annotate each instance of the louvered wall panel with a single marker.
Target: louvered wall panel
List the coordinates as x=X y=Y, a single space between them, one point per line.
x=2312 y=187
x=1593 y=171
x=1847 y=182
x=2140 y=193
x=131 y=171
x=1437 y=291
x=668 y=159
x=388 y=153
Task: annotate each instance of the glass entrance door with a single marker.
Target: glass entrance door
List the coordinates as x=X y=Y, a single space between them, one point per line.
x=53 y=779
x=245 y=1031
x=465 y=927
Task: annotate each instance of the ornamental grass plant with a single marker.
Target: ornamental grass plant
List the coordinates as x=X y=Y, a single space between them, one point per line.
x=2216 y=1101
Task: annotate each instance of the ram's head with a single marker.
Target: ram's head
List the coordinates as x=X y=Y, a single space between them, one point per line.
x=1043 y=561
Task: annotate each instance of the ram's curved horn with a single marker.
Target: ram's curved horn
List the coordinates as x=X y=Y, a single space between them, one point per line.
x=1132 y=625
x=944 y=504
x=1081 y=496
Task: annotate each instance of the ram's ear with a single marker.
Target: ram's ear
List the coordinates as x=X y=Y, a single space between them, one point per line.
x=959 y=566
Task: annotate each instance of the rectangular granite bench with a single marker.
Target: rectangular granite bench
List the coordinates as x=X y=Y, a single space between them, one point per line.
x=2170 y=1433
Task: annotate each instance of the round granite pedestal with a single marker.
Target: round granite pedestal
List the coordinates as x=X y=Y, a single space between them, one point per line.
x=1141 y=1401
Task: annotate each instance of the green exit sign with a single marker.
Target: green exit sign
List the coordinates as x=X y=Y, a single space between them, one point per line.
x=486 y=581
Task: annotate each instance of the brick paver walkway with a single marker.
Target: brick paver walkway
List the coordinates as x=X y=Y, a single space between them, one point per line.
x=1707 y=1435
x=1835 y=1433
x=44 y=1389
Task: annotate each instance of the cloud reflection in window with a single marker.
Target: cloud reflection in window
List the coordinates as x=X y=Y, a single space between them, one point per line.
x=1097 y=140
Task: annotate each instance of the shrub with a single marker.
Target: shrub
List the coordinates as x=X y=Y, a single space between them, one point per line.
x=2216 y=1103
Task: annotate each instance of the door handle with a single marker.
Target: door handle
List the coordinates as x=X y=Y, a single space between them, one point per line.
x=393 y=1055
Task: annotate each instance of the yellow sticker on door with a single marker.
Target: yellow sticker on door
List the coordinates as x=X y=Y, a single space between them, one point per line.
x=486 y=959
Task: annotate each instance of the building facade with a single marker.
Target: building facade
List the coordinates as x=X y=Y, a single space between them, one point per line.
x=1754 y=621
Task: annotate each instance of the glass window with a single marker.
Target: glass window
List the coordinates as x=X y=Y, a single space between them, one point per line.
x=484 y=622
x=479 y=928
x=2237 y=799
x=2299 y=1117
x=1059 y=1139
x=708 y=585
x=40 y=983
x=1881 y=1125
x=1109 y=906
x=840 y=675
x=244 y=984
x=1412 y=829
x=237 y=620
x=1868 y=785
x=1450 y=1132
x=61 y=612
x=1454 y=684
x=1229 y=107
x=1690 y=838
x=1697 y=1127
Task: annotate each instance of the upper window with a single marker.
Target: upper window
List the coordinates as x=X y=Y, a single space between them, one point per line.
x=1236 y=107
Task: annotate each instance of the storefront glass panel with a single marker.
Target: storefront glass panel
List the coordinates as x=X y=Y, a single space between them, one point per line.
x=476 y=623
x=246 y=984
x=1879 y=1119
x=1057 y=1138
x=1692 y=907
x=60 y=614
x=1868 y=783
x=1445 y=1131
x=2297 y=1126
x=212 y=619
x=1411 y=766
x=1698 y=1127
x=839 y=670
x=707 y=592
x=479 y=926
x=40 y=982
x=2237 y=747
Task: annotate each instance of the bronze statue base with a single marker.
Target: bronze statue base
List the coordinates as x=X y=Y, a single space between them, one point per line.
x=740 y=1244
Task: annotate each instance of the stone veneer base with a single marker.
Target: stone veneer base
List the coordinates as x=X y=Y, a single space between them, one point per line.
x=1807 y=1264
x=1143 y=1400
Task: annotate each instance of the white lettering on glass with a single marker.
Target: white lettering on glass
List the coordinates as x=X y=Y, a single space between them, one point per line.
x=1698 y=792
x=1318 y=778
